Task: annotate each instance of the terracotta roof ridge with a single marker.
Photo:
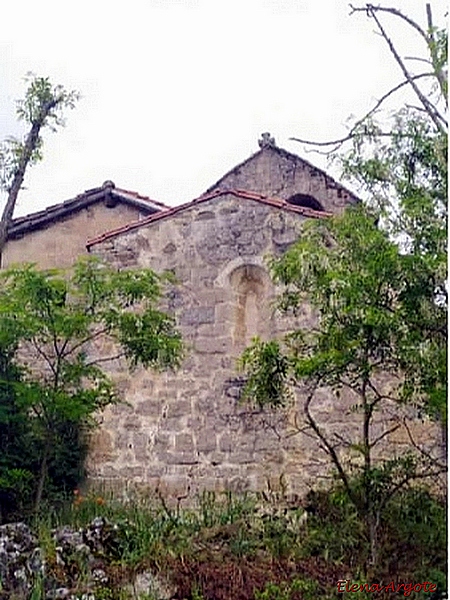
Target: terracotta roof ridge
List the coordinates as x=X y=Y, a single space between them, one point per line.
x=276 y=202
x=40 y=218
x=139 y=196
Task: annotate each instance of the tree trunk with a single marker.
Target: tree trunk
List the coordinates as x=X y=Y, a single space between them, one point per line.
x=42 y=477
x=19 y=175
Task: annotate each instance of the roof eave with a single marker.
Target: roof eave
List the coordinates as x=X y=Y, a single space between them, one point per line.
x=244 y=194
x=40 y=219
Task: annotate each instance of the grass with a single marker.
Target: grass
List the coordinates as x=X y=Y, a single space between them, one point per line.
x=230 y=547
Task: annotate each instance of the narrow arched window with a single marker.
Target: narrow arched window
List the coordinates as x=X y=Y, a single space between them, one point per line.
x=249 y=284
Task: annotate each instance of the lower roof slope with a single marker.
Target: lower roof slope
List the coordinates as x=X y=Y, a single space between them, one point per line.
x=107 y=193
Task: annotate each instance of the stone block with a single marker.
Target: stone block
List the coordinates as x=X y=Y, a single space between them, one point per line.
x=213 y=330
x=205 y=215
x=242 y=458
x=132 y=423
x=122 y=385
x=226 y=443
x=206 y=440
x=178 y=408
x=205 y=405
x=131 y=472
x=174 y=485
x=217 y=458
x=122 y=409
x=169 y=248
x=184 y=443
x=147 y=384
x=178 y=458
x=122 y=440
x=197 y=315
x=140 y=446
x=207 y=345
x=101 y=445
x=171 y=425
x=162 y=441
x=149 y=408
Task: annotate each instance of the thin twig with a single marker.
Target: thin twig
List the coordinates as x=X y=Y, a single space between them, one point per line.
x=325 y=444
x=84 y=341
x=105 y=359
x=428 y=456
x=432 y=111
x=376 y=106
x=370 y=8
x=43 y=355
x=383 y=435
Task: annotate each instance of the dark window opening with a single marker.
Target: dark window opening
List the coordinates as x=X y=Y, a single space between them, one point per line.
x=305 y=200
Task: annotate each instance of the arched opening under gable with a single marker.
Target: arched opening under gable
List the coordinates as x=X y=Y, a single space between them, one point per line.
x=305 y=200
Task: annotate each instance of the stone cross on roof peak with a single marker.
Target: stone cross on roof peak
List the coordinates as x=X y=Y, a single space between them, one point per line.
x=266 y=141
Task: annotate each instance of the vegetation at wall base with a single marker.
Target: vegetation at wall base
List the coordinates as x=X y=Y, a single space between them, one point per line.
x=224 y=546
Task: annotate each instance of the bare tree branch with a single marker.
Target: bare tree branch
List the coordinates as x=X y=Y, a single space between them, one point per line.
x=441 y=77
x=43 y=355
x=104 y=359
x=419 y=59
x=345 y=441
x=370 y=8
x=411 y=477
x=383 y=435
x=84 y=341
x=432 y=111
x=376 y=106
x=427 y=455
x=326 y=446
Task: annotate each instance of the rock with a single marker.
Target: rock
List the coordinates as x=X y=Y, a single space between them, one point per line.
x=70 y=545
x=20 y=558
x=102 y=538
x=147 y=584
x=90 y=549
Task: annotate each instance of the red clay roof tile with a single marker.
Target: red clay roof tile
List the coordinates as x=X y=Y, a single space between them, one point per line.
x=244 y=194
x=39 y=219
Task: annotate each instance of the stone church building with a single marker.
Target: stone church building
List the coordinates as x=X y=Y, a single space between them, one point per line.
x=185 y=431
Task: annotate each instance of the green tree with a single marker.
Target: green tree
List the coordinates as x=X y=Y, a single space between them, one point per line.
x=42 y=107
x=57 y=330
x=376 y=277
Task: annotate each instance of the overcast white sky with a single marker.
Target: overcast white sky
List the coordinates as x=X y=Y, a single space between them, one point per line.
x=176 y=92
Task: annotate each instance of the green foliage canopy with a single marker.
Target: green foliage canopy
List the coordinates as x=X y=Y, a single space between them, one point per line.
x=58 y=330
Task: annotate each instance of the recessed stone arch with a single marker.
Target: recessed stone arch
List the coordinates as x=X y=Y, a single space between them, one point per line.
x=250 y=285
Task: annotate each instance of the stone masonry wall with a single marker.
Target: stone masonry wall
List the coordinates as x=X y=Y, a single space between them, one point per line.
x=184 y=432
x=60 y=243
x=277 y=173
x=186 y=429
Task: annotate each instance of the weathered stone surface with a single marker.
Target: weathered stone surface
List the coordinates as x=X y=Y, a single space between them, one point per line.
x=184 y=443
x=149 y=407
x=206 y=440
x=148 y=585
x=178 y=408
x=22 y=561
x=197 y=315
x=59 y=245
x=188 y=428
